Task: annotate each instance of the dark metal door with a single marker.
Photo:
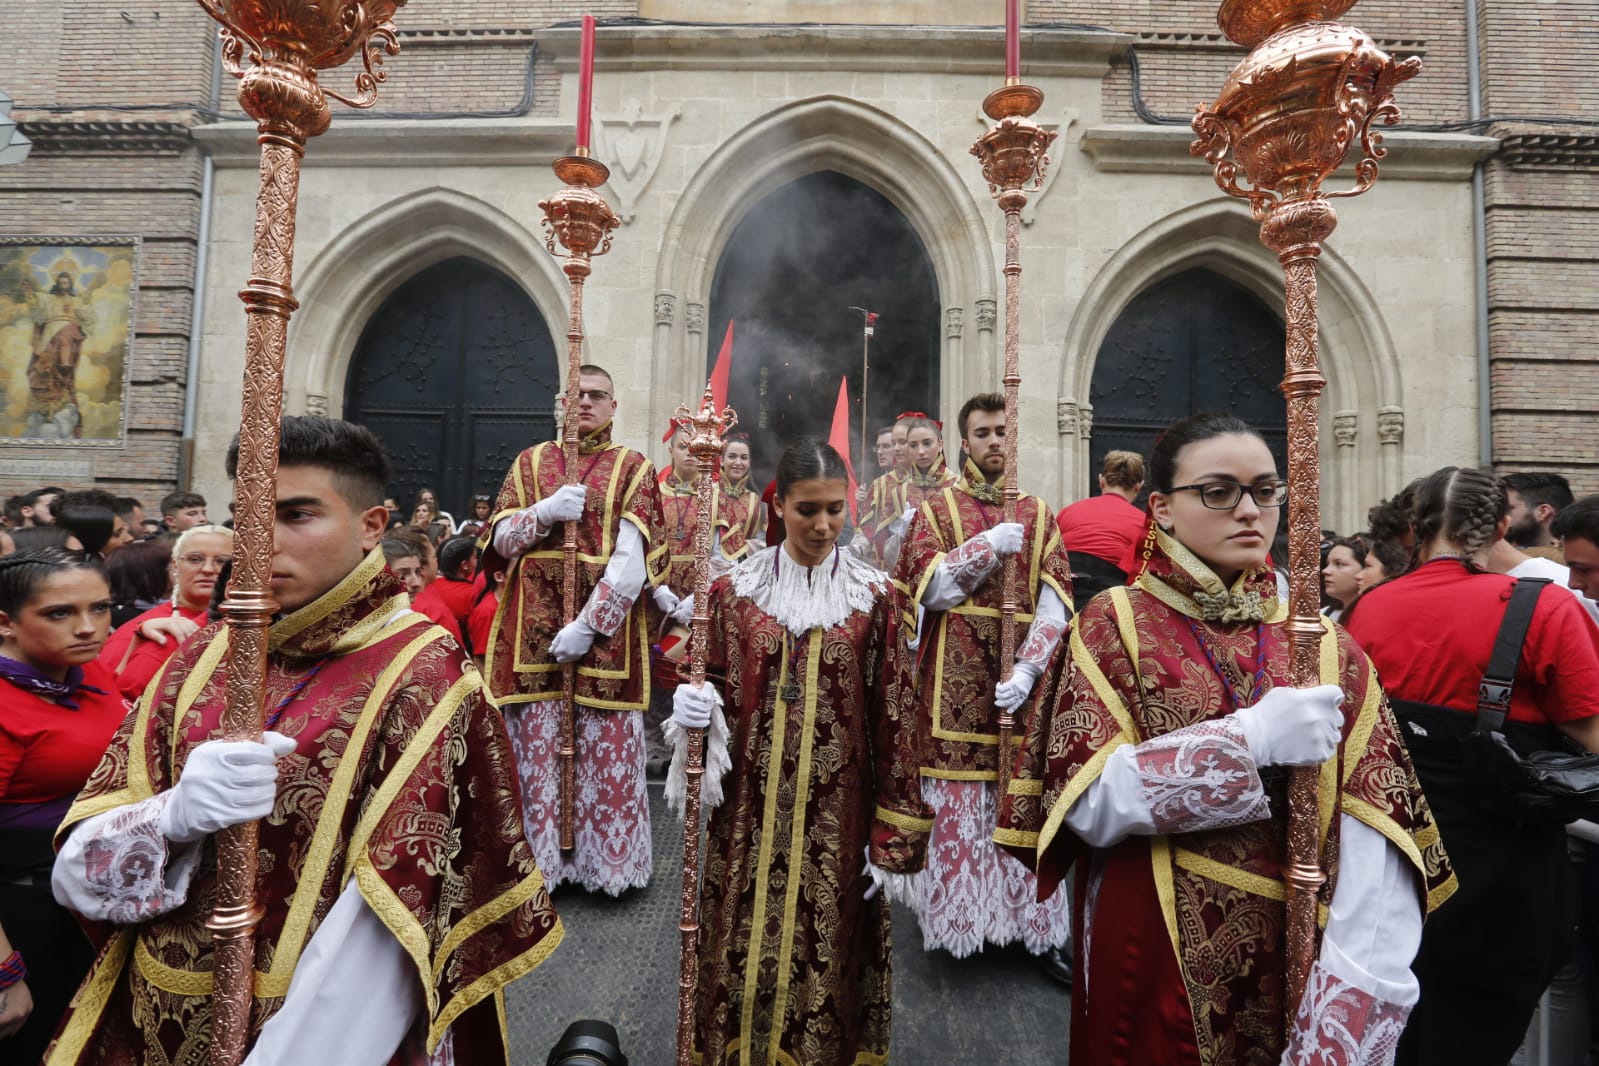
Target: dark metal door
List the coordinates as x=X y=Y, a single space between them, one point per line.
x=1195 y=342
x=457 y=373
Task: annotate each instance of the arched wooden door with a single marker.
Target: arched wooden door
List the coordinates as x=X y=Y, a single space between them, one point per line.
x=457 y=373
x=1194 y=342
x=791 y=271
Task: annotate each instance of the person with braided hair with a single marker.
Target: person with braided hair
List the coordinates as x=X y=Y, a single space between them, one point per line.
x=1430 y=634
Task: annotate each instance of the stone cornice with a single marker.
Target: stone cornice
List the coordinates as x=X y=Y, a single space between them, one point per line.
x=105 y=137
x=380 y=142
x=1164 y=150
x=918 y=49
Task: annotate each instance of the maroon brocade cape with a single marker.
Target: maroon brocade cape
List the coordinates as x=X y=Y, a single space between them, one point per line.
x=742 y=507
x=793 y=962
x=403 y=780
x=959 y=650
x=615 y=674
x=1183 y=935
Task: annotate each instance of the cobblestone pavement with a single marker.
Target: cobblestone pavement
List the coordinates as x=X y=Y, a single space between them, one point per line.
x=619 y=963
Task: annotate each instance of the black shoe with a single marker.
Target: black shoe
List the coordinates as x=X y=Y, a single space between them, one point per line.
x=1057 y=965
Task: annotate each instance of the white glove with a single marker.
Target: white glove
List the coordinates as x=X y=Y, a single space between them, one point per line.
x=898 y=527
x=876 y=886
x=565 y=504
x=224 y=782
x=683 y=613
x=860 y=546
x=692 y=705
x=1294 y=726
x=573 y=641
x=665 y=599
x=1009 y=695
x=1005 y=538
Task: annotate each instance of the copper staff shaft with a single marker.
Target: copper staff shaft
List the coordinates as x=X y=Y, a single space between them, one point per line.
x=1284 y=122
x=579 y=219
x=276 y=56
x=1014 y=157
x=707 y=429
x=576 y=271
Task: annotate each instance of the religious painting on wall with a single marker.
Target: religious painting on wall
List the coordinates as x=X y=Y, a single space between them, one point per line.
x=66 y=322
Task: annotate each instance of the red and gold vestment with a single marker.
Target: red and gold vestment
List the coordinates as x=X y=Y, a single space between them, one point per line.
x=958 y=656
x=402 y=782
x=1183 y=931
x=794 y=963
x=742 y=507
x=615 y=674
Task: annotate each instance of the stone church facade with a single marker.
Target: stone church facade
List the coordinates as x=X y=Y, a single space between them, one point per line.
x=135 y=134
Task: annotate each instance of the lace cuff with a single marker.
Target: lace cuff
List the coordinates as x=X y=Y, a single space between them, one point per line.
x=606 y=609
x=970 y=564
x=1042 y=636
x=518 y=533
x=717 y=762
x=1341 y=1025
x=118 y=867
x=1200 y=777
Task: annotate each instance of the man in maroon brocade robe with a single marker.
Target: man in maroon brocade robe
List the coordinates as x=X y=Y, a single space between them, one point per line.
x=399 y=896
x=620 y=549
x=971 y=894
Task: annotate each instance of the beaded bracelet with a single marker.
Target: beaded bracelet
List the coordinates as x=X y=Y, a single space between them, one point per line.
x=12 y=970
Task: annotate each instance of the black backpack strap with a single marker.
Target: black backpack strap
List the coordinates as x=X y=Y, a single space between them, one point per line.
x=1493 y=696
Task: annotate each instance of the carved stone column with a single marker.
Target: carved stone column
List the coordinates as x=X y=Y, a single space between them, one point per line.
x=665 y=362
x=1346 y=470
x=956 y=367
x=1390 y=442
x=986 y=311
x=1068 y=486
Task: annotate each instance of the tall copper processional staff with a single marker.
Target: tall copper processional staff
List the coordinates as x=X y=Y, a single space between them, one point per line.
x=1013 y=156
x=276 y=51
x=579 y=218
x=707 y=427
x=1309 y=89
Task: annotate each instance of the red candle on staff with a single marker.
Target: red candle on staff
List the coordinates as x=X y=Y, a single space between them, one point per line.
x=585 y=84
x=1013 y=40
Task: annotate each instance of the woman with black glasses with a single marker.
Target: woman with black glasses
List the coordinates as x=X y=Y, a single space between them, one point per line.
x=1160 y=768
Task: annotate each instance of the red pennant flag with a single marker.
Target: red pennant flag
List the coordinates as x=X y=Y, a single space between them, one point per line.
x=838 y=437
x=719 y=376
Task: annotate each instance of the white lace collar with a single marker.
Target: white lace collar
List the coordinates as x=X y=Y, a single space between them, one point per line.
x=801 y=598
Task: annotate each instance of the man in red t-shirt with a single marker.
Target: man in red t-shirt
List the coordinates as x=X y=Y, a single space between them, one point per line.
x=1099 y=533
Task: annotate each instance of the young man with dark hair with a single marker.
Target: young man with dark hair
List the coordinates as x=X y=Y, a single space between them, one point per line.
x=131 y=511
x=399 y=895
x=1535 y=499
x=181 y=510
x=1577 y=526
x=970 y=893
x=37 y=506
x=620 y=549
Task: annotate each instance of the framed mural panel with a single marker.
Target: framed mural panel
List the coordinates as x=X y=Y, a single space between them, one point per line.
x=67 y=309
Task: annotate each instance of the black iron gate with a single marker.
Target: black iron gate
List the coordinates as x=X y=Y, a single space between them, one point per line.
x=1195 y=342
x=457 y=373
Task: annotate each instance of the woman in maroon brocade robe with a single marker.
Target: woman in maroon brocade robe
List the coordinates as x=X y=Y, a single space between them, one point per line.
x=1160 y=768
x=794 y=956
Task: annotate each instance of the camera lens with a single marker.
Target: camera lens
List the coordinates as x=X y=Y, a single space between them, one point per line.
x=588 y=1043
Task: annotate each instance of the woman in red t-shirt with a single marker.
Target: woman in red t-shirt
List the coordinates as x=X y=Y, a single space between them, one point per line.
x=1489 y=952
x=1099 y=533
x=141 y=646
x=58 y=711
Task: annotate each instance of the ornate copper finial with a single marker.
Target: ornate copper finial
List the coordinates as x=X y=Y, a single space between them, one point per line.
x=1014 y=156
x=1288 y=116
x=275 y=50
x=578 y=218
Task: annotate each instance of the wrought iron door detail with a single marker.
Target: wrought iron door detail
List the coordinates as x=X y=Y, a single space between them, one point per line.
x=456 y=372
x=1195 y=342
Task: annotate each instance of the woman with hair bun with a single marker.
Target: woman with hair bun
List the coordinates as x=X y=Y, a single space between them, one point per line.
x=58 y=711
x=1430 y=633
x=1160 y=769
x=821 y=773
x=1099 y=532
